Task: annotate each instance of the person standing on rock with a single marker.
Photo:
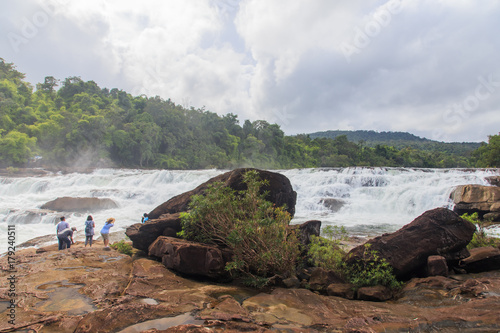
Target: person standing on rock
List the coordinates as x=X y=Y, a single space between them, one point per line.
x=66 y=237
x=59 y=228
x=105 y=231
x=89 y=230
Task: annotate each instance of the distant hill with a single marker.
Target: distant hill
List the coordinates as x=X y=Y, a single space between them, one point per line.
x=399 y=140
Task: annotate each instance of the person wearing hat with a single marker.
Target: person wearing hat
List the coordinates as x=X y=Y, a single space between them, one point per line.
x=105 y=231
x=66 y=237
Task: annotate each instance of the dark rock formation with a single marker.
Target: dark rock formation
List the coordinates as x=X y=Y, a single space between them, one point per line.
x=68 y=204
x=164 y=220
x=306 y=230
x=143 y=235
x=344 y=290
x=436 y=232
x=332 y=204
x=374 y=294
x=191 y=258
x=482 y=259
x=476 y=198
x=493 y=180
x=436 y=265
x=279 y=190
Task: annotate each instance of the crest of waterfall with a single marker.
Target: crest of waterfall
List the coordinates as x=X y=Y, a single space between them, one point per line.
x=369 y=201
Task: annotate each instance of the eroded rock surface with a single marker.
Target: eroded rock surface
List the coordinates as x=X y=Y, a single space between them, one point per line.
x=107 y=292
x=436 y=232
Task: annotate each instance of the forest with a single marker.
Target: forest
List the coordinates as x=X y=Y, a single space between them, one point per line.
x=72 y=123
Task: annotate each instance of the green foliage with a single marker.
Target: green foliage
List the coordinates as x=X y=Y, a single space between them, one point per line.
x=122 y=247
x=244 y=221
x=113 y=128
x=371 y=270
x=327 y=252
x=480 y=238
x=488 y=155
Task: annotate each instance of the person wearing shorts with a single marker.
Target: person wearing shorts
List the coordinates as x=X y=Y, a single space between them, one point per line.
x=105 y=231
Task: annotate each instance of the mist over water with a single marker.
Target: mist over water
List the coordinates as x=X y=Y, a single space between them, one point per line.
x=368 y=201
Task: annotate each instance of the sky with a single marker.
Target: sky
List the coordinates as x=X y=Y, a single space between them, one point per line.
x=428 y=67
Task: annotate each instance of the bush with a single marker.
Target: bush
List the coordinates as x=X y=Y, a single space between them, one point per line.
x=244 y=221
x=371 y=270
x=327 y=252
x=480 y=238
x=122 y=247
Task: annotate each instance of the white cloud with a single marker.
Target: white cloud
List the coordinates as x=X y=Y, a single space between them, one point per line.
x=285 y=62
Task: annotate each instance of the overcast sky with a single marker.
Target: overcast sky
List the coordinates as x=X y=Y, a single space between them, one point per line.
x=428 y=67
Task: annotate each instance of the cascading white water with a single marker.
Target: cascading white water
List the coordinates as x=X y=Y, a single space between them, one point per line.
x=376 y=200
x=372 y=200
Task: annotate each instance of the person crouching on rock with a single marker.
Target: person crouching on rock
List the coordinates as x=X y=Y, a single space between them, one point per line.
x=105 y=231
x=66 y=237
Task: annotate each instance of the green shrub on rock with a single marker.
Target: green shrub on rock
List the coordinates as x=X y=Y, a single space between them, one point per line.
x=371 y=270
x=122 y=247
x=480 y=238
x=244 y=221
x=326 y=252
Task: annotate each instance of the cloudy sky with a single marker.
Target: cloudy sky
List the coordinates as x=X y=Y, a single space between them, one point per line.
x=428 y=67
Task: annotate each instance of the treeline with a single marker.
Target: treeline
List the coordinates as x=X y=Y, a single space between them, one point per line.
x=78 y=124
x=400 y=140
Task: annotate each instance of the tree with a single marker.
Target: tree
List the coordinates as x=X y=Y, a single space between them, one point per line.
x=16 y=148
x=488 y=155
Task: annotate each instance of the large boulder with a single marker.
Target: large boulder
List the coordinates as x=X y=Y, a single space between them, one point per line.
x=476 y=198
x=164 y=220
x=69 y=204
x=482 y=259
x=279 y=191
x=191 y=258
x=436 y=232
x=143 y=234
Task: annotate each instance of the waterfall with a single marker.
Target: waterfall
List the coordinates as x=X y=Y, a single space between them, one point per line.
x=368 y=201
x=372 y=201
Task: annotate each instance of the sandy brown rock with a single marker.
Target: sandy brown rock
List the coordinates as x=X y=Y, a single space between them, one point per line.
x=69 y=204
x=472 y=198
x=92 y=290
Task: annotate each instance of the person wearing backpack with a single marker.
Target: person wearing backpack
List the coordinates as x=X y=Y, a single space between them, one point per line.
x=89 y=230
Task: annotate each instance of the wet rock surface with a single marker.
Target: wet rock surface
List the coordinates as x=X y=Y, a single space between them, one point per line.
x=93 y=290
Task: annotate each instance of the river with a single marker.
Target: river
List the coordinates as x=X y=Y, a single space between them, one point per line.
x=367 y=201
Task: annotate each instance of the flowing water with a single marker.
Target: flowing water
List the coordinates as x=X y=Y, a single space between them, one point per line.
x=367 y=201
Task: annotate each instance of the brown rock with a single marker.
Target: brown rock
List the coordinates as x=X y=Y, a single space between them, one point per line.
x=494 y=180
x=306 y=230
x=482 y=259
x=476 y=198
x=374 y=294
x=68 y=204
x=436 y=265
x=344 y=290
x=321 y=278
x=279 y=191
x=190 y=258
x=143 y=235
x=435 y=232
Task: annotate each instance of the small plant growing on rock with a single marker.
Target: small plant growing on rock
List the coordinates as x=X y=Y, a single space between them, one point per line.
x=371 y=270
x=327 y=252
x=244 y=221
x=480 y=238
x=122 y=247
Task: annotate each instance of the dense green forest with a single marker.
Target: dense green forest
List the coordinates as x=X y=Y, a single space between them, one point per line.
x=72 y=123
x=400 y=140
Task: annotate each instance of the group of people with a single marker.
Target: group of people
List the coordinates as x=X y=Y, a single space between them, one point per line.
x=65 y=233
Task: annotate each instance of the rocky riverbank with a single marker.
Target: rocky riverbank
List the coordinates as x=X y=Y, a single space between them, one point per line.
x=93 y=290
